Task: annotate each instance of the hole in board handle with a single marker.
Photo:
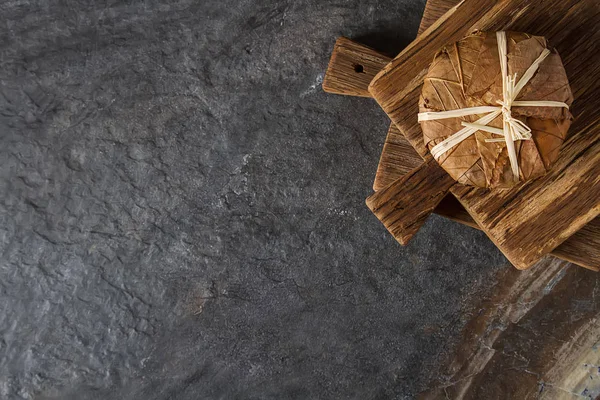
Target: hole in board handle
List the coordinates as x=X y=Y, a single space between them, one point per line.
x=359 y=69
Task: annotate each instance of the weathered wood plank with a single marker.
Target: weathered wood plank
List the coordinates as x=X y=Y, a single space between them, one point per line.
x=434 y=10
x=404 y=205
x=532 y=219
x=397 y=158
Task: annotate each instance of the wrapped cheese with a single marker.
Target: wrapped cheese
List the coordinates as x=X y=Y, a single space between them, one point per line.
x=469 y=74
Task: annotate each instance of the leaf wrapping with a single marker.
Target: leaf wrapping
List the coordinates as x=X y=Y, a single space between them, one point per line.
x=467 y=74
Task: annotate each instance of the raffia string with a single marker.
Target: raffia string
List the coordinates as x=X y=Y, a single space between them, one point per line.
x=513 y=129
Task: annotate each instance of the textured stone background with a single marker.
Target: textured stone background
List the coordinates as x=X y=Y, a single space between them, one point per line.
x=182 y=209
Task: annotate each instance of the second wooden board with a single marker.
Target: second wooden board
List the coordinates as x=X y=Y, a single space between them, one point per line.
x=532 y=219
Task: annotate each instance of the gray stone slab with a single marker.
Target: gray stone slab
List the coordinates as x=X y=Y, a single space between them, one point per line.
x=182 y=209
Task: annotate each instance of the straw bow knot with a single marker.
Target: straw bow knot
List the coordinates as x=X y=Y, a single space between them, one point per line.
x=518 y=129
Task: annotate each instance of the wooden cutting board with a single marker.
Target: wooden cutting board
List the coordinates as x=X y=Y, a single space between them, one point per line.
x=351 y=69
x=398 y=157
x=532 y=219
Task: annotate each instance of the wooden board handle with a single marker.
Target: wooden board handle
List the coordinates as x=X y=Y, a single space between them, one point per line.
x=351 y=68
x=406 y=203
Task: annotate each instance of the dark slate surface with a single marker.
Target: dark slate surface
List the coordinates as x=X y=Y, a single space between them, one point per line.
x=182 y=209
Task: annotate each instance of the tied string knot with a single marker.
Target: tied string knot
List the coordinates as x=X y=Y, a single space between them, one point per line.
x=513 y=129
x=518 y=129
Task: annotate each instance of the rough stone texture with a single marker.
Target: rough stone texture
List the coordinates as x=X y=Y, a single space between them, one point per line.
x=182 y=209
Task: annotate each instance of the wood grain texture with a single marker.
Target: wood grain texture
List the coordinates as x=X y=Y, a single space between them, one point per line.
x=583 y=248
x=434 y=10
x=351 y=68
x=404 y=205
x=531 y=219
x=397 y=158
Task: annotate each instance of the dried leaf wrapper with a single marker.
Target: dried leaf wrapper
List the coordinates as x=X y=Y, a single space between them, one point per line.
x=468 y=74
